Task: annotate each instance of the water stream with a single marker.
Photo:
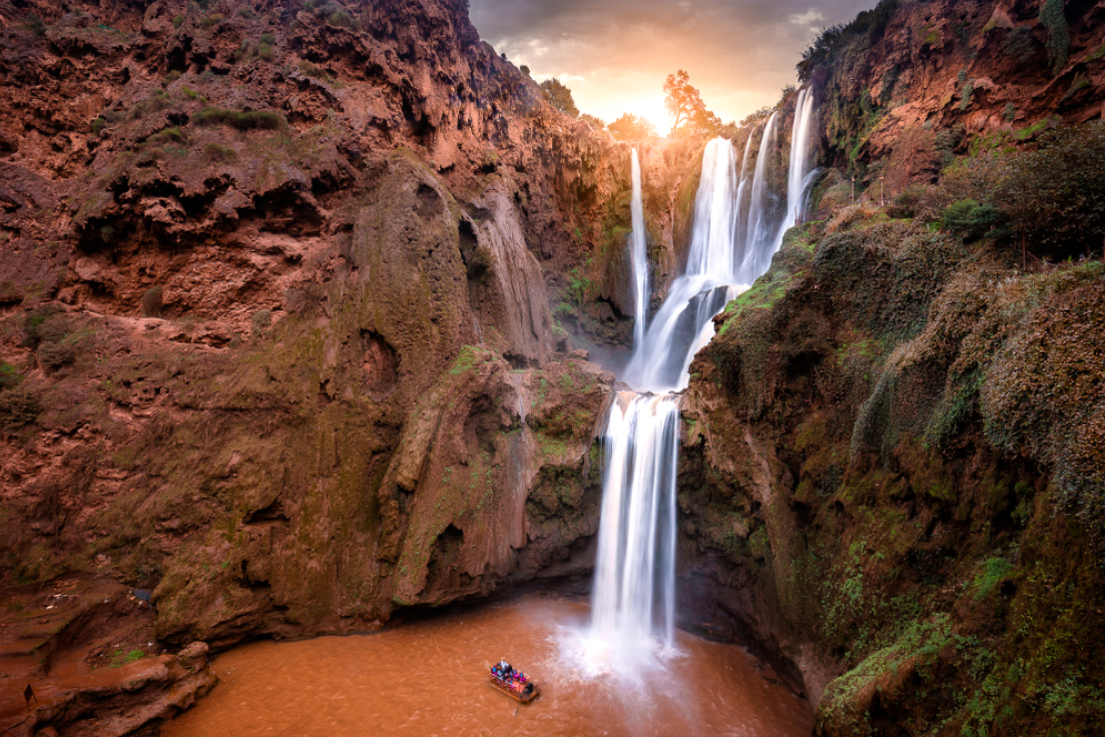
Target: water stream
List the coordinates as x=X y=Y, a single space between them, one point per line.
x=639 y=255
x=430 y=678
x=732 y=242
x=620 y=667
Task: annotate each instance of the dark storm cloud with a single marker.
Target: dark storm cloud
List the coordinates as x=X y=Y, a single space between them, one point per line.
x=738 y=53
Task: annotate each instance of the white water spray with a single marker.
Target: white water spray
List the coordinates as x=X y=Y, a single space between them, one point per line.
x=799 y=165
x=757 y=243
x=660 y=361
x=633 y=602
x=634 y=593
x=639 y=256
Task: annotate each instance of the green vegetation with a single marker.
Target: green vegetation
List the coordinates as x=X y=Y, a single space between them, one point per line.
x=559 y=96
x=120 y=658
x=35 y=24
x=242 y=120
x=1020 y=45
x=1052 y=17
x=18 y=406
x=965 y=94
x=686 y=108
x=630 y=127
x=152 y=301
x=994 y=571
x=970 y=219
x=334 y=13
x=216 y=152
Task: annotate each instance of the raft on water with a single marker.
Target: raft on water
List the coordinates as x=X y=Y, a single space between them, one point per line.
x=522 y=691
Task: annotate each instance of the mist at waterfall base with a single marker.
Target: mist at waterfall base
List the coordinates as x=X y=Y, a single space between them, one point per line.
x=738 y=226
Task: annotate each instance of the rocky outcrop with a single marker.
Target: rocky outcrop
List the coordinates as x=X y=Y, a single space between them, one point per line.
x=78 y=660
x=242 y=247
x=870 y=481
x=906 y=85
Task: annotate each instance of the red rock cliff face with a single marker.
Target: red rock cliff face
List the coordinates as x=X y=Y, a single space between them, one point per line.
x=277 y=290
x=991 y=74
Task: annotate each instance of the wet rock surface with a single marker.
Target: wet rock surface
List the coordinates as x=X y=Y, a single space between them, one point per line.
x=80 y=658
x=853 y=497
x=301 y=320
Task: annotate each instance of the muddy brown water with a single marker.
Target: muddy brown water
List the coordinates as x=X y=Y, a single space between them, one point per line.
x=430 y=678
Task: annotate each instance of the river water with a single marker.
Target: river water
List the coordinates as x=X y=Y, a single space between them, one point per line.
x=430 y=678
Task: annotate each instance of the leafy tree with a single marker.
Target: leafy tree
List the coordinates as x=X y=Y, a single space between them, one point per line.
x=1058 y=191
x=559 y=96
x=703 y=122
x=596 y=123
x=756 y=117
x=630 y=127
x=684 y=103
x=821 y=51
x=972 y=220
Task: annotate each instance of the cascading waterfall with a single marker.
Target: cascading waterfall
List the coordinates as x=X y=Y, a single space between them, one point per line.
x=633 y=604
x=758 y=239
x=635 y=571
x=639 y=256
x=799 y=168
x=660 y=362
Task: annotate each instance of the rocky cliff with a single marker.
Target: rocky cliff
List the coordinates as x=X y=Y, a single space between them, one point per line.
x=293 y=301
x=890 y=467
x=277 y=302
x=907 y=85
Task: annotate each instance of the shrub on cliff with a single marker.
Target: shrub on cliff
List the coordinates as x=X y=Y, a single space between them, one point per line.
x=973 y=220
x=55 y=355
x=247 y=120
x=629 y=127
x=9 y=377
x=1058 y=191
x=595 y=122
x=43 y=325
x=559 y=96
x=18 y=407
x=152 y=301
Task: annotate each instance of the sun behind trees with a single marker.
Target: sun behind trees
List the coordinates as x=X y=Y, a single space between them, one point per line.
x=631 y=127
x=685 y=105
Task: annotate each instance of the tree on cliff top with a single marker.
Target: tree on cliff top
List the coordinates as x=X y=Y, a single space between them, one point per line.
x=681 y=99
x=685 y=105
x=559 y=96
x=595 y=122
x=630 y=127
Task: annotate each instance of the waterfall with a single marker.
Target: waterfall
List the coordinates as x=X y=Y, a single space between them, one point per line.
x=799 y=164
x=715 y=210
x=659 y=362
x=639 y=256
x=636 y=561
x=732 y=241
x=758 y=247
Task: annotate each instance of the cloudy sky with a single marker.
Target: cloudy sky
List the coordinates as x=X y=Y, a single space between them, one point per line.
x=616 y=54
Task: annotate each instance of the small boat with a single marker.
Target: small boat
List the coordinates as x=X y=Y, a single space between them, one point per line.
x=519 y=688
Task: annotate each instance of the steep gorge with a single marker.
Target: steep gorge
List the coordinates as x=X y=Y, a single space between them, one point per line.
x=294 y=301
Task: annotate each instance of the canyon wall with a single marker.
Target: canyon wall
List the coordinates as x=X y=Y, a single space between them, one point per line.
x=278 y=290
x=297 y=302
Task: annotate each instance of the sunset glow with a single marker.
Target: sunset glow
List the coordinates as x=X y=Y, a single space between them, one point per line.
x=615 y=56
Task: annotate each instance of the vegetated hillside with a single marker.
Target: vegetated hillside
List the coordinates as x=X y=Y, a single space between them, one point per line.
x=892 y=466
x=290 y=296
